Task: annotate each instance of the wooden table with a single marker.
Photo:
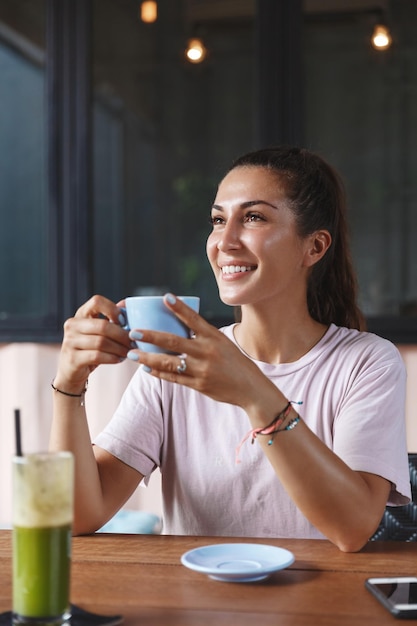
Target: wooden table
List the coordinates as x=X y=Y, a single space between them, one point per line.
x=141 y=577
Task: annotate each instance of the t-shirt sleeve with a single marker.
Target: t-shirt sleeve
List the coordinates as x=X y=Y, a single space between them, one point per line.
x=369 y=430
x=135 y=433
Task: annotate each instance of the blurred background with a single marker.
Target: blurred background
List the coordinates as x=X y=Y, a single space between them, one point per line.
x=112 y=142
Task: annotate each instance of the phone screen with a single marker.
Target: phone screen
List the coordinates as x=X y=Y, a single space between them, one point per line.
x=400 y=592
x=399 y=595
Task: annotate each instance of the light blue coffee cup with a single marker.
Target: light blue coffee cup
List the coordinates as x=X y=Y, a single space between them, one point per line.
x=150 y=313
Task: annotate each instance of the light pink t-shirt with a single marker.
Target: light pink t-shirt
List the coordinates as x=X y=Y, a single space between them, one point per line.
x=352 y=388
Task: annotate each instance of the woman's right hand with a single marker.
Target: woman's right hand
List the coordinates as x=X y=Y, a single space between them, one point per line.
x=95 y=335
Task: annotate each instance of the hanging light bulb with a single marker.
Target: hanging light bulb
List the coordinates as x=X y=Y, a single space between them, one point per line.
x=149 y=11
x=196 y=51
x=381 y=37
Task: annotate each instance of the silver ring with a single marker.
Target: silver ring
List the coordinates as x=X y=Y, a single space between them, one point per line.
x=181 y=368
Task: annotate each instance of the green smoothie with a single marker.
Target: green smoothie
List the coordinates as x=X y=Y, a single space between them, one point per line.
x=42 y=518
x=41 y=571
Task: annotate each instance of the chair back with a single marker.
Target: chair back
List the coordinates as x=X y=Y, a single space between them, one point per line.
x=399 y=523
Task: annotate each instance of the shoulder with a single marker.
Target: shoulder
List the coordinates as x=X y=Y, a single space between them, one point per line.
x=363 y=351
x=361 y=342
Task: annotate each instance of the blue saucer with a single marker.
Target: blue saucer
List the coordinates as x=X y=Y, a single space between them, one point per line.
x=238 y=562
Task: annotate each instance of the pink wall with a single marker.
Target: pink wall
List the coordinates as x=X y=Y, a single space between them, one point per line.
x=26 y=371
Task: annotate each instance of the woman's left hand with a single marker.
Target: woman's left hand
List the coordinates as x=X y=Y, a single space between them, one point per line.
x=213 y=364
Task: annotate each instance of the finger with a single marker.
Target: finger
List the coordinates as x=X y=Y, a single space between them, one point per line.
x=98 y=335
x=99 y=306
x=96 y=327
x=186 y=314
x=172 y=368
x=168 y=342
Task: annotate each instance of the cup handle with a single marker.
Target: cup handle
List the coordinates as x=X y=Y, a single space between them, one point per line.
x=124 y=312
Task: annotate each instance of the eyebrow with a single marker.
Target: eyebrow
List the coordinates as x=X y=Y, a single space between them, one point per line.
x=247 y=205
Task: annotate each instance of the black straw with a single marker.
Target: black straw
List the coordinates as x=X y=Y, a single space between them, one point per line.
x=17 y=432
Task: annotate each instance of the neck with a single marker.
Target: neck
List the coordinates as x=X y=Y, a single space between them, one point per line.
x=277 y=336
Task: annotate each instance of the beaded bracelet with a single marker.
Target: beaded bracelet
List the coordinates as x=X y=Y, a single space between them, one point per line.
x=272 y=428
x=72 y=395
x=293 y=423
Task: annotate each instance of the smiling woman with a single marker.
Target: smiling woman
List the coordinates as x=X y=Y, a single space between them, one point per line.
x=325 y=470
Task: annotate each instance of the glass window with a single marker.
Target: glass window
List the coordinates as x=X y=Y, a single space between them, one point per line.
x=23 y=162
x=361 y=113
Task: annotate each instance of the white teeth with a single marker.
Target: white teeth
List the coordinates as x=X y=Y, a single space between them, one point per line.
x=235 y=269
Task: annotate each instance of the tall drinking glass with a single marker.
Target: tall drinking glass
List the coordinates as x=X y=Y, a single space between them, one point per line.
x=43 y=485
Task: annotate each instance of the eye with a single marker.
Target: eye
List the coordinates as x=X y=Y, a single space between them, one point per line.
x=216 y=219
x=254 y=217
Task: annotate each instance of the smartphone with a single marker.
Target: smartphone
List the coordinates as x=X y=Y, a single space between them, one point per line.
x=397 y=594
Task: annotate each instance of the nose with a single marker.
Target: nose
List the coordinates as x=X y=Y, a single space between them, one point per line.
x=229 y=238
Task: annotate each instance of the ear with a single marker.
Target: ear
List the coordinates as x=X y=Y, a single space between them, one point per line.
x=317 y=245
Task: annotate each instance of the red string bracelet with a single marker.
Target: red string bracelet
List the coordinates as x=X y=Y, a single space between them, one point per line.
x=271 y=429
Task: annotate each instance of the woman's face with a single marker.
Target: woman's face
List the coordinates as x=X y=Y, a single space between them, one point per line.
x=254 y=249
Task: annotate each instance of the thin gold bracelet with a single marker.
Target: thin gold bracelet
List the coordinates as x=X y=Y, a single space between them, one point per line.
x=72 y=395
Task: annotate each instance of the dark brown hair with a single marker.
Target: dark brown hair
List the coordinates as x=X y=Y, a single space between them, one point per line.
x=318 y=199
